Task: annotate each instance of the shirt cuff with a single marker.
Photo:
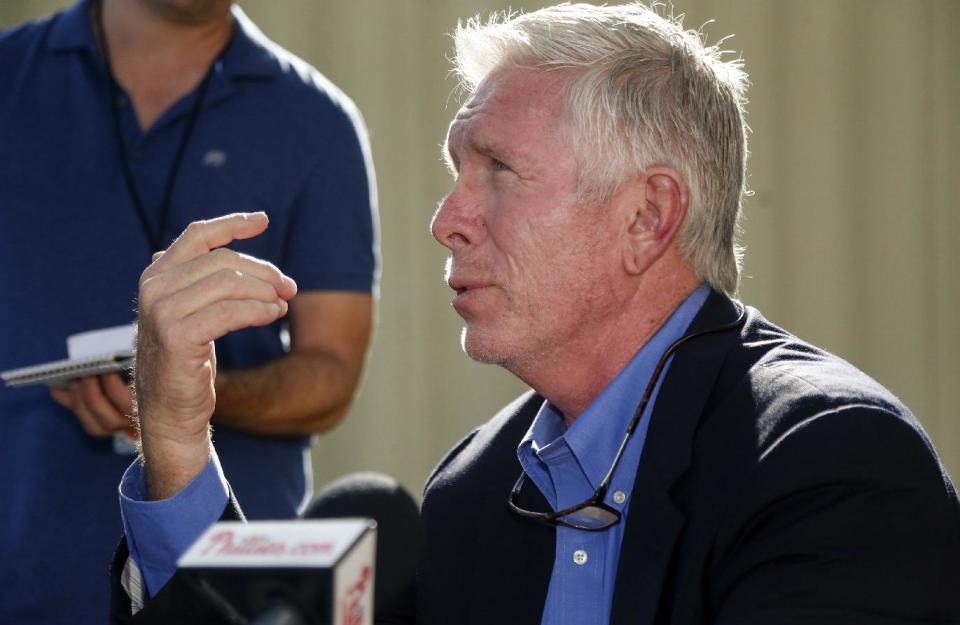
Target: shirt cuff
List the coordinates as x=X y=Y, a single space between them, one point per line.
x=159 y=532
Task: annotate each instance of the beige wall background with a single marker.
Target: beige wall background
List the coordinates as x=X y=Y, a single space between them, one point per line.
x=852 y=236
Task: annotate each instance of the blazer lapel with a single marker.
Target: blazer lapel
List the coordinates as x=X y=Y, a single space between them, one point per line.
x=514 y=557
x=654 y=523
x=518 y=588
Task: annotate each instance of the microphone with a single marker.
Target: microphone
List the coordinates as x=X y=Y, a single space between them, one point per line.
x=285 y=572
x=317 y=570
x=399 y=535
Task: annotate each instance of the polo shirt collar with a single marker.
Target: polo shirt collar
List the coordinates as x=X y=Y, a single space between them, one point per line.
x=249 y=55
x=71 y=30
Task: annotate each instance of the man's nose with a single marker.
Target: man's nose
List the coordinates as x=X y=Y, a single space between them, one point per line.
x=458 y=221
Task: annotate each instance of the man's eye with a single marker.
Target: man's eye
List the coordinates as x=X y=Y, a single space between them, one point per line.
x=500 y=166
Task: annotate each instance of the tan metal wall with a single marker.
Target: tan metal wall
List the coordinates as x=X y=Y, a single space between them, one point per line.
x=853 y=236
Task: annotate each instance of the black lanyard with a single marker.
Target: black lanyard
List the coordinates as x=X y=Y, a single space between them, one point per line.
x=154 y=237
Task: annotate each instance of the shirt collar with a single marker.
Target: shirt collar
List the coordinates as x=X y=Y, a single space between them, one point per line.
x=72 y=30
x=249 y=55
x=597 y=433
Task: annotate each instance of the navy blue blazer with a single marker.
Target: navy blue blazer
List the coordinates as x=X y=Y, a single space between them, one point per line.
x=778 y=485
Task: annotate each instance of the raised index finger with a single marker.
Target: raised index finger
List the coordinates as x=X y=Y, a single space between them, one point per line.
x=202 y=236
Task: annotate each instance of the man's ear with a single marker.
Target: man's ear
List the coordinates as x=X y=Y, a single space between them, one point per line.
x=655 y=210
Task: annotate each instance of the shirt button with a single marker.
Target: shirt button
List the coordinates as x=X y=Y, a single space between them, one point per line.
x=579 y=557
x=138 y=156
x=619 y=497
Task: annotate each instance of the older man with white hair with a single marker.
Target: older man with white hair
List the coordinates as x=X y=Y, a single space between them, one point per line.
x=680 y=459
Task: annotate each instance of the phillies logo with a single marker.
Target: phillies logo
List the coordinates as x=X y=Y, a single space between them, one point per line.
x=352 y=604
x=225 y=543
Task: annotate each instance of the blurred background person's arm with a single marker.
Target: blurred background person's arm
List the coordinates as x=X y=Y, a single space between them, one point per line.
x=310 y=388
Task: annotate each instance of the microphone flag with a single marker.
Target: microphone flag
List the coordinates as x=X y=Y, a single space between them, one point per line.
x=323 y=570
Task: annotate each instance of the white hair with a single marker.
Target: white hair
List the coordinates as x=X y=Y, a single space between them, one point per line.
x=645 y=92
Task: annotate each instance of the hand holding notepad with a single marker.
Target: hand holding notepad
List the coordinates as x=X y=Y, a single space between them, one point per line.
x=85 y=384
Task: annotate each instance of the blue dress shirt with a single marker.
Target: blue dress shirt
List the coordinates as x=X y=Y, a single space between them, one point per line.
x=159 y=532
x=568 y=464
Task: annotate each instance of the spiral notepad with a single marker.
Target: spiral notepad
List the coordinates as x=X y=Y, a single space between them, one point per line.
x=60 y=371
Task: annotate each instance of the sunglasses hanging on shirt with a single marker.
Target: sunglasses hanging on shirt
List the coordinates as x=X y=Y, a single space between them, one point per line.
x=594 y=514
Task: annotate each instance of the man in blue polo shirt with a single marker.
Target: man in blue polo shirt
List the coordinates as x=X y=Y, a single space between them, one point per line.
x=120 y=123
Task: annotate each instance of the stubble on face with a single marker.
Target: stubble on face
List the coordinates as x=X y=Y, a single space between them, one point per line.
x=188 y=12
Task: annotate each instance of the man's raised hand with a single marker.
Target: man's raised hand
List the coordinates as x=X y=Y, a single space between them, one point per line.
x=193 y=293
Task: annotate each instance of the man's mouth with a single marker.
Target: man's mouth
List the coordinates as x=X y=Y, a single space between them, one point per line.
x=466 y=291
x=462 y=285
